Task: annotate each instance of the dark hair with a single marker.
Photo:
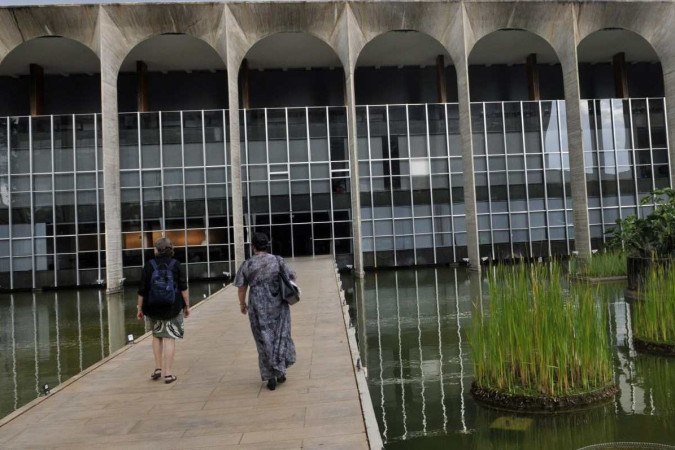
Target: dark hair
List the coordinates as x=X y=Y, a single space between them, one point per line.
x=260 y=242
x=164 y=247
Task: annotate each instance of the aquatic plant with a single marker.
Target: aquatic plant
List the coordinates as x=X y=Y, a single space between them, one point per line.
x=539 y=339
x=601 y=264
x=654 y=314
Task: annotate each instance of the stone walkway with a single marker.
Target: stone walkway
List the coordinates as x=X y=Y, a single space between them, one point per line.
x=218 y=400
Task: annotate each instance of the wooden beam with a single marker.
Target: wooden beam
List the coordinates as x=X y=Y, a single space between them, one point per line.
x=37 y=90
x=440 y=79
x=620 y=77
x=532 y=77
x=244 y=85
x=143 y=99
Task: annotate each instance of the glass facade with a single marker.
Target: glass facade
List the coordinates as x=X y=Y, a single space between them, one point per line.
x=51 y=191
x=411 y=181
x=295 y=179
x=175 y=179
x=296 y=187
x=626 y=157
x=523 y=196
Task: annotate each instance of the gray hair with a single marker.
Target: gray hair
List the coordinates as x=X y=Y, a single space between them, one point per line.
x=164 y=247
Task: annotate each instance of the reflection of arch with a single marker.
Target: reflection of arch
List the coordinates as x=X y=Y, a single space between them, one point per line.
x=411 y=62
x=303 y=64
x=616 y=62
x=501 y=63
x=67 y=69
x=177 y=71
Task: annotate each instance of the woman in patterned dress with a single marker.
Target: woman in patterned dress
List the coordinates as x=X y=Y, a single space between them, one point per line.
x=269 y=314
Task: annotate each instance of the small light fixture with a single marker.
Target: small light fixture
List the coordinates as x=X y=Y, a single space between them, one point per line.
x=45 y=389
x=130 y=339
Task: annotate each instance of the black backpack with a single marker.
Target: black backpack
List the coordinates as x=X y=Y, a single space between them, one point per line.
x=163 y=288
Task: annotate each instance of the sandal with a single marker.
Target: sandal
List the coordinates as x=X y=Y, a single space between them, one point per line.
x=156 y=374
x=170 y=379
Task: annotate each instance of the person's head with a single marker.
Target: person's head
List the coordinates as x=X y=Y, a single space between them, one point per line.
x=260 y=242
x=163 y=247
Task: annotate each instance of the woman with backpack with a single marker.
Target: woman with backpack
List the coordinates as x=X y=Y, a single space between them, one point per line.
x=268 y=313
x=163 y=300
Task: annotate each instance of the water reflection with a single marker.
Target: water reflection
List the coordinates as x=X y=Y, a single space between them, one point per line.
x=47 y=337
x=413 y=327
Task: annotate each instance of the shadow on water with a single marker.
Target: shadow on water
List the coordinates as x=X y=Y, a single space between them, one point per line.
x=47 y=337
x=412 y=328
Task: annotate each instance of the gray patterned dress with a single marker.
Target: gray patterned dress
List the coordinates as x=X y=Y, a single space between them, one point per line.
x=270 y=316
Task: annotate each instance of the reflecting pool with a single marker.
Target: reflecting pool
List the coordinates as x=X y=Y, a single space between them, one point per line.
x=47 y=337
x=412 y=327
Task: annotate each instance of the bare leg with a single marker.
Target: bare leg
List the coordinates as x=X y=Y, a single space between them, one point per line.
x=169 y=351
x=157 y=351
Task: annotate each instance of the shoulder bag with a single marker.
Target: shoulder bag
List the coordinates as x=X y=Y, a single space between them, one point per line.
x=290 y=292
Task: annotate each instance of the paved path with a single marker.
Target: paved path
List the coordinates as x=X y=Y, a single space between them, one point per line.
x=218 y=400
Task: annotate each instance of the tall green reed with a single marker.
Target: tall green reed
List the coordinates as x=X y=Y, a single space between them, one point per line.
x=601 y=264
x=538 y=338
x=654 y=314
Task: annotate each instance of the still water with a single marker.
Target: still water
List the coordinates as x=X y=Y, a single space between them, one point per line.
x=412 y=327
x=47 y=337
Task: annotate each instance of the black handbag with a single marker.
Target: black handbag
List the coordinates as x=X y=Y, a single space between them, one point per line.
x=290 y=292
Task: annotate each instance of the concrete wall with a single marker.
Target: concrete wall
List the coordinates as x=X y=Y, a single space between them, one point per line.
x=232 y=28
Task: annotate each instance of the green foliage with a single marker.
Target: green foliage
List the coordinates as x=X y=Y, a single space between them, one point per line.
x=654 y=313
x=601 y=264
x=539 y=339
x=653 y=235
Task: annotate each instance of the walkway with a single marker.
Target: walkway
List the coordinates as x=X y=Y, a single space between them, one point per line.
x=218 y=400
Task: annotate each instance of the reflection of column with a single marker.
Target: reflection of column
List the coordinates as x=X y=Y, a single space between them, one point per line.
x=404 y=418
x=35 y=345
x=14 y=375
x=116 y=330
x=355 y=190
x=79 y=332
x=379 y=348
x=111 y=39
x=359 y=284
x=58 y=337
x=464 y=103
x=235 y=142
x=440 y=348
x=419 y=345
x=459 y=346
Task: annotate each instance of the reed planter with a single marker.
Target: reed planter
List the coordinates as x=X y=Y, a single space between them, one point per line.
x=637 y=270
x=654 y=348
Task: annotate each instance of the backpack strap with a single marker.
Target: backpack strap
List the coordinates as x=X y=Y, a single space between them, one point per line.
x=153 y=263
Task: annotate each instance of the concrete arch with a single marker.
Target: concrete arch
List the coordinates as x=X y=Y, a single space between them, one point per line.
x=382 y=35
x=251 y=23
x=130 y=25
x=641 y=41
x=77 y=23
x=58 y=62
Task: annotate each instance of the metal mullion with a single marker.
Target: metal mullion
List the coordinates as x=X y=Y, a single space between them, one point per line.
x=449 y=159
x=206 y=200
x=98 y=198
x=248 y=175
x=77 y=220
x=431 y=183
x=32 y=205
x=543 y=160
x=330 y=178
x=508 y=185
x=412 y=198
x=527 y=184
x=651 y=147
x=597 y=151
x=56 y=264
x=391 y=197
x=370 y=179
x=9 y=207
x=616 y=161
x=665 y=123
x=634 y=154
x=269 y=177
x=227 y=191
x=288 y=168
x=489 y=186
x=309 y=167
x=185 y=225
x=161 y=174
x=562 y=171
x=141 y=187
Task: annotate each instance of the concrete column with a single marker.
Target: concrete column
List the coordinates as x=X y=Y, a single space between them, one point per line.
x=245 y=85
x=350 y=100
x=37 y=90
x=440 y=79
x=570 y=68
x=142 y=97
x=109 y=36
x=465 y=132
x=235 y=158
x=532 y=77
x=669 y=90
x=620 y=78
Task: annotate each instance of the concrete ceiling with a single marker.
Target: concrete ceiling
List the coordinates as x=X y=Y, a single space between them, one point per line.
x=602 y=45
x=56 y=55
x=291 y=51
x=402 y=48
x=171 y=52
x=511 y=47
